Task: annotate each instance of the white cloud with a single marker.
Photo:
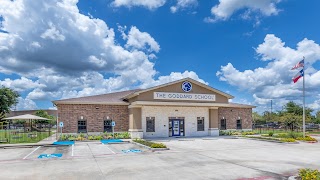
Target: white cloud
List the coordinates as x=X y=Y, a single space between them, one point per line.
x=149 y=4
x=274 y=80
x=141 y=40
x=70 y=54
x=183 y=4
x=25 y=104
x=226 y=8
x=19 y=85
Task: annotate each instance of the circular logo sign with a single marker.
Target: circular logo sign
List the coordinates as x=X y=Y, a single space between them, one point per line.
x=186 y=86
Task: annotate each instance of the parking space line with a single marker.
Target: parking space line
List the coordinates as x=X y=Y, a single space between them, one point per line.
x=110 y=149
x=72 y=149
x=32 y=152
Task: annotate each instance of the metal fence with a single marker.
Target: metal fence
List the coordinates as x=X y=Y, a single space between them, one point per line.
x=266 y=128
x=25 y=133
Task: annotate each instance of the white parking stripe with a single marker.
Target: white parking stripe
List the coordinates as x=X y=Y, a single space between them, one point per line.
x=72 y=150
x=32 y=152
x=110 y=149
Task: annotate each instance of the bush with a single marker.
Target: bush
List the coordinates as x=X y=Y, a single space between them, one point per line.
x=294 y=135
x=158 y=145
x=307 y=138
x=150 y=144
x=288 y=140
x=248 y=133
x=309 y=174
x=270 y=133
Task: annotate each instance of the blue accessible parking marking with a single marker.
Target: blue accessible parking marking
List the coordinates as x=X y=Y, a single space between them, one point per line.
x=63 y=143
x=106 y=141
x=131 y=151
x=49 y=156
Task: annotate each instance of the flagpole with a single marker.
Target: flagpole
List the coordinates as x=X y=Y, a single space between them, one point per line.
x=304 y=102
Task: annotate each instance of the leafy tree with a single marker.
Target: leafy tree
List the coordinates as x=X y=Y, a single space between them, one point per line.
x=8 y=98
x=44 y=114
x=291 y=120
x=292 y=107
x=258 y=119
x=317 y=118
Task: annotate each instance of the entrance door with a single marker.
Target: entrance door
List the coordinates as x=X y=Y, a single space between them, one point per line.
x=176 y=127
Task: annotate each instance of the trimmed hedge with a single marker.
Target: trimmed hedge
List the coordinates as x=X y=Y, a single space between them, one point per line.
x=150 y=143
x=309 y=174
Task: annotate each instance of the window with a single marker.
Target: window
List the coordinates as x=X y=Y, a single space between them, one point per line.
x=200 y=123
x=239 y=124
x=150 y=124
x=82 y=126
x=223 y=124
x=107 y=126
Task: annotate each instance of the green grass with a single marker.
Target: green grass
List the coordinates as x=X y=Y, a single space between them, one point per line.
x=14 y=136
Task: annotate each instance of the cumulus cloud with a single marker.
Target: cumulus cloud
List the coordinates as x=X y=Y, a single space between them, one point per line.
x=25 y=104
x=149 y=4
x=274 y=81
x=141 y=40
x=183 y=4
x=226 y=8
x=69 y=54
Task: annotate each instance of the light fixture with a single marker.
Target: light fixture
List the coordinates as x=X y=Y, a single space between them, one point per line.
x=81 y=117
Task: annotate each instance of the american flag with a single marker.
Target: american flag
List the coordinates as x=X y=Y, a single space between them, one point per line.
x=299 y=64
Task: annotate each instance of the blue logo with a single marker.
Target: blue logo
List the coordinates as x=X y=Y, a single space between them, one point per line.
x=186 y=86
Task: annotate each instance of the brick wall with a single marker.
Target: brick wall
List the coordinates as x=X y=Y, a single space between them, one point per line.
x=95 y=115
x=232 y=114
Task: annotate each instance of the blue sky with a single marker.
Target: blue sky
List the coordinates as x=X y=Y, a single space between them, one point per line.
x=69 y=48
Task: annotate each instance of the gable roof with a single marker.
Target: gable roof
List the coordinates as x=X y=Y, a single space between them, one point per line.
x=110 y=98
x=178 y=81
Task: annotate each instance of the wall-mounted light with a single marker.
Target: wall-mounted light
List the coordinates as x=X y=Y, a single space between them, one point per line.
x=239 y=117
x=223 y=117
x=81 y=117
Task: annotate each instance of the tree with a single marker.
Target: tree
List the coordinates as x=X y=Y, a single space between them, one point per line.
x=44 y=114
x=8 y=98
x=295 y=109
x=317 y=118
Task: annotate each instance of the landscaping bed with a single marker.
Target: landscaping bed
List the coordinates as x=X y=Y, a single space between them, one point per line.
x=283 y=137
x=87 y=137
x=150 y=145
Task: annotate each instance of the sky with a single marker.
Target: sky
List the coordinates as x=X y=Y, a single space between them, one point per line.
x=52 y=50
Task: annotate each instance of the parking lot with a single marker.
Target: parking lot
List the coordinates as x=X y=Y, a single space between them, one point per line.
x=191 y=158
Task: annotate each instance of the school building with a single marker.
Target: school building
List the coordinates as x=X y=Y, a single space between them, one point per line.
x=181 y=108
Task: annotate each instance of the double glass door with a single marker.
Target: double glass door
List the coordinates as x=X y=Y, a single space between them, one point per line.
x=176 y=127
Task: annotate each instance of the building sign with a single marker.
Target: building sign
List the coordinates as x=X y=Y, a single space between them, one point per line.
x=184 y=96
x=186 y=86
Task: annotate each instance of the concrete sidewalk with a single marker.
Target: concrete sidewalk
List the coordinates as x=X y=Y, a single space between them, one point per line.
x=47 y=141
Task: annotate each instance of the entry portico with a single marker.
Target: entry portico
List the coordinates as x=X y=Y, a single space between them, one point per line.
x=171 y=110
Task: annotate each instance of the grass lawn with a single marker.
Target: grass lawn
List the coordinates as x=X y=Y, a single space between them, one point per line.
x=15 y=136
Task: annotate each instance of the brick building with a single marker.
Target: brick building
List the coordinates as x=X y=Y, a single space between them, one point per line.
x=181 y=108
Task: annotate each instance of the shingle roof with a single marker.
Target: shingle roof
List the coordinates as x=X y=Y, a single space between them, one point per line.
x=110 y=98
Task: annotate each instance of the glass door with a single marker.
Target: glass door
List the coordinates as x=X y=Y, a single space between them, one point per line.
x=176 y=127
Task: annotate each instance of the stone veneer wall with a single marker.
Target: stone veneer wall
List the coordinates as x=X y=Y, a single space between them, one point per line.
x=232 y=114
x=162 y=114
x=95 y=114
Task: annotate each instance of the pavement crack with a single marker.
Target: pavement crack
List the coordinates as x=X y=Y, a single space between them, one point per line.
x=95 y=161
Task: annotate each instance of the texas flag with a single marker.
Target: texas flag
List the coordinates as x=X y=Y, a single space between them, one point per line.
x=298 y=76
x=299 y=64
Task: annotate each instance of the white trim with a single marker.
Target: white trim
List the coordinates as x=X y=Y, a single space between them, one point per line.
x=211 y=105
x=178 y=81
x=79 y=102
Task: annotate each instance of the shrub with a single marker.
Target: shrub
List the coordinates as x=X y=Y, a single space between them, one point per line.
x=150 y=144
x=307 y=138
x=248 y=133
x=294 y=135
x=270 y=133
x=309 y=174
x=158 y=145
x=288 y=140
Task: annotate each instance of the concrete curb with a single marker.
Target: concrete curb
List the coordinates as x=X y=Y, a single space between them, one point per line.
x=152 y=149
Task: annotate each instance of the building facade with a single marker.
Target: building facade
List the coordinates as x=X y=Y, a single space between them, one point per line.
x=180 y=108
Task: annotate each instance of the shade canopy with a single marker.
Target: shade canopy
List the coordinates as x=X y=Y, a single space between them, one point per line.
x=26 y=117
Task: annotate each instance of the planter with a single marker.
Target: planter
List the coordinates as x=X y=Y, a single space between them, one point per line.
x=147 y=147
